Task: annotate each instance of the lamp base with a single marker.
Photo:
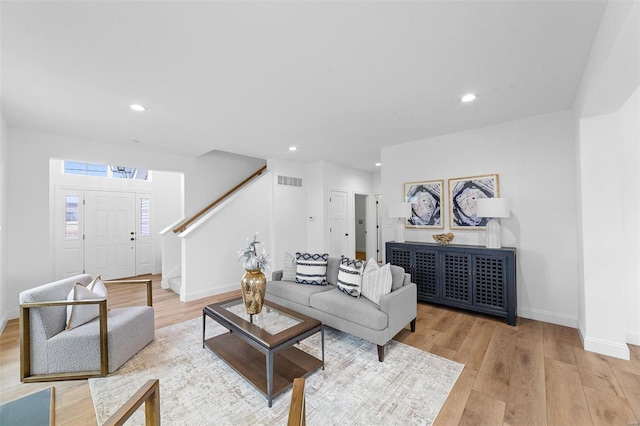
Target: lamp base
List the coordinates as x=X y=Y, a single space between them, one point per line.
x=492 y=234
x=400 y=231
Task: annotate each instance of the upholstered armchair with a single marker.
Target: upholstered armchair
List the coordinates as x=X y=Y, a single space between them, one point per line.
x=50 y=351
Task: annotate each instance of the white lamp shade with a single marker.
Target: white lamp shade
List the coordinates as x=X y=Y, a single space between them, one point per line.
x=400 y=210
x=492 y=207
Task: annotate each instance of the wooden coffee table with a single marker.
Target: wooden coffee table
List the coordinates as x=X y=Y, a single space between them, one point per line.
x=260 y=347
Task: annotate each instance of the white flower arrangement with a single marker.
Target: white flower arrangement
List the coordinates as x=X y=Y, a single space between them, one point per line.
x=253 y=260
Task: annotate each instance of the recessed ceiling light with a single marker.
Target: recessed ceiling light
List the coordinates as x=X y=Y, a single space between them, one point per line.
x=468 y=97
x=378 y=164
x=293 y=148
x=137 y=107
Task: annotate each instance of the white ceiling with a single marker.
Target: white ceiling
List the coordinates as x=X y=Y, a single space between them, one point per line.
x=339 y=79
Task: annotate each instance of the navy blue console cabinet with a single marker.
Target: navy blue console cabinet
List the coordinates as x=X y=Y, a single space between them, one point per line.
x=467 y=277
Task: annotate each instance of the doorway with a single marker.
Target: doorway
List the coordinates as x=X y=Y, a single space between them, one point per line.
x=360 y=204
x=103 y=233
x=338 y=226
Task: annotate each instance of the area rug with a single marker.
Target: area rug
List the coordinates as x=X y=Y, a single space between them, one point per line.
x=198 y=388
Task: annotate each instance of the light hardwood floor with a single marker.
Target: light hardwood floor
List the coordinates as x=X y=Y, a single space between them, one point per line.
x=531 y=374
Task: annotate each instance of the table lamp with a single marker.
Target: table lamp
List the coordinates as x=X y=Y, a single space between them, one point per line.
x=493 y=208
x=400 y=211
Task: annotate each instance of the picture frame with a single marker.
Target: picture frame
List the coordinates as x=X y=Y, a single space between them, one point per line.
x=463 y=193
x=426 y=198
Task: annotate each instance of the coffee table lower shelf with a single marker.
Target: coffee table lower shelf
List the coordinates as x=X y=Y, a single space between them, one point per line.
x=250 y=363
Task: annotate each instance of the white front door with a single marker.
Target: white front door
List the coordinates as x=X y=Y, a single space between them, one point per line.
x=338 y=226
x=110 y=247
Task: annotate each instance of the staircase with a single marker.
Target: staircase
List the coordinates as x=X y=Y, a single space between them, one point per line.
x=199 y=254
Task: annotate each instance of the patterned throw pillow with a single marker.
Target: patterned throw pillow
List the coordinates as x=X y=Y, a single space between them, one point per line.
x=311 y=268
x=289 y=268
x=350 y=276
x=376 y=281
x=80 y=314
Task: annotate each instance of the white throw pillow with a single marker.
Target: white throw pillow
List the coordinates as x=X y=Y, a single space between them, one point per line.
x=311 y=268
x=350 y=276
x=376 y=281
x=289 y=268
x=80 y=314
x=97 y=286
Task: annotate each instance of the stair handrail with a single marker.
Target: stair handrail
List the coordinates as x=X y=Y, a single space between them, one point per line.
x=184 y=225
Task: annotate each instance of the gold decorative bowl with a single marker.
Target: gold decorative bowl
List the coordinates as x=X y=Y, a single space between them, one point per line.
x=443 y=239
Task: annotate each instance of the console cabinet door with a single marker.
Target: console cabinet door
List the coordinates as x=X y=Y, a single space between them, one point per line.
x=490 y=282
x=425 y=274
x=456 y=278
x=401 y=257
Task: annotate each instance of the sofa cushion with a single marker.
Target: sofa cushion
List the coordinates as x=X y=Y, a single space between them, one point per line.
x=376 y=281
x=360 y=311
x=350 y=276
x=295 y=292
x=311 y=268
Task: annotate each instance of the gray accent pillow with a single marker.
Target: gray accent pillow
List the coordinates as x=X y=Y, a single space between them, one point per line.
x=289 y=268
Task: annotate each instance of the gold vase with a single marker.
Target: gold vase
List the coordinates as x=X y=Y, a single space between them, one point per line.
x=253 y=286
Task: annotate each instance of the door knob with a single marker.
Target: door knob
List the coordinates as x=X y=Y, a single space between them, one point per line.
x=132 y=232
x=132 y=239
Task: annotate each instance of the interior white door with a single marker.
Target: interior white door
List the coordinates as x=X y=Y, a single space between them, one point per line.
x=338 y=226
x=68 y=228
x=110 y=248
x=144 y=246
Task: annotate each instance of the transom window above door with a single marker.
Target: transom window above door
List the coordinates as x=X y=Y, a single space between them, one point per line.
x=103 y=170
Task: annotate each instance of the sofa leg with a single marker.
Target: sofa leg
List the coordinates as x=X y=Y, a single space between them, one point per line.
x=380 y=353
x=413 y=325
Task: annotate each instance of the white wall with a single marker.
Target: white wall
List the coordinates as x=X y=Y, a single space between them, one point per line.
x=210 y=247
x=535 y=161
x=30 y=262
x=4 y=305
x=289 y=210
x=607 y=115
x=164 y=187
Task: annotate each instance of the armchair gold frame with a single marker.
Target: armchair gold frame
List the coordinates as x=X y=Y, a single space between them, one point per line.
x=25 y=336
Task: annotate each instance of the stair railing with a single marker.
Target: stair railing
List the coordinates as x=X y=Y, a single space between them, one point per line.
x=186 y=223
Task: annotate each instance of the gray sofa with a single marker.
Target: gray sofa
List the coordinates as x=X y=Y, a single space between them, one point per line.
x=357 y=316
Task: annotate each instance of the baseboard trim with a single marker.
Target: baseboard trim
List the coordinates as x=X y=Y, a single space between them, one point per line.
x=633 y=337
x=604 y=347
x=211 y=292
x=9 y=315
x=547 y=316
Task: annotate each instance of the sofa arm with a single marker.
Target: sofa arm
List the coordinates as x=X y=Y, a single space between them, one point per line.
x=276 y=276
x=401 y=306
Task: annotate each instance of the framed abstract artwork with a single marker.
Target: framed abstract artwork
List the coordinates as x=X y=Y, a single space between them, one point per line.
x=463 y=193
x=426 y=204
